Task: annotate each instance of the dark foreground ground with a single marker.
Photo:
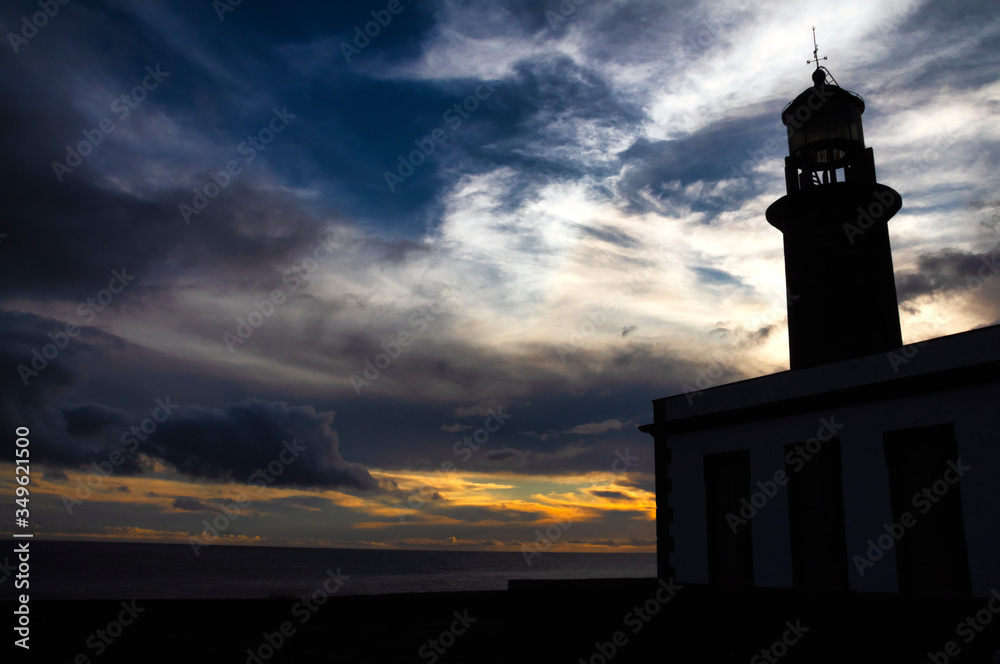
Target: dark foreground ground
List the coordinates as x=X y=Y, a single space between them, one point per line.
x=565 y=621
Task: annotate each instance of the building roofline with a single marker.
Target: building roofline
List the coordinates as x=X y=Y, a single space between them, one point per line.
x=936 y=364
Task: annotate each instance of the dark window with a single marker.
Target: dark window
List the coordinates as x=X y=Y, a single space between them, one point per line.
x=816 y=515
x=730 y=554
x=931 y=556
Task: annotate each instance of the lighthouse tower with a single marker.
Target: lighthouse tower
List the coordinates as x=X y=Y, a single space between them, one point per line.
x=838 y=265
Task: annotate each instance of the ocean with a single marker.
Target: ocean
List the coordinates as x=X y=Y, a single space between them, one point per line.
x=103 y=570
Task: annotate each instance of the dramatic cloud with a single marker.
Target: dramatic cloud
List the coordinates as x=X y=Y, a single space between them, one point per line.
x=190 y=505
x=258 y=441
x=612 y=495
x=947 y=270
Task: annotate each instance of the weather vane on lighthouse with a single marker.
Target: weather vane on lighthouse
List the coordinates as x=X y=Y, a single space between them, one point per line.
x=816 y=57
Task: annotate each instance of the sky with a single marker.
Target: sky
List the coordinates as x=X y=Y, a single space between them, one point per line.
x=408 y=274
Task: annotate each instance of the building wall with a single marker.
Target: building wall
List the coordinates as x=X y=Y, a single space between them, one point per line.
x=867 y=507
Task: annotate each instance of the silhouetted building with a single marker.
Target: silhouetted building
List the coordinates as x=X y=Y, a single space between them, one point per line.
x=868 y=466
x=838 y=267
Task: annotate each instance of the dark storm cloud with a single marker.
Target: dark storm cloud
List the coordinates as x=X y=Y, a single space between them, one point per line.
x=190 y=504
x=26 y=335
x=293 y=445
x=613 y=495
x=64 y=396
x=947 y=270
x=231 y=442
x=32 y=384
